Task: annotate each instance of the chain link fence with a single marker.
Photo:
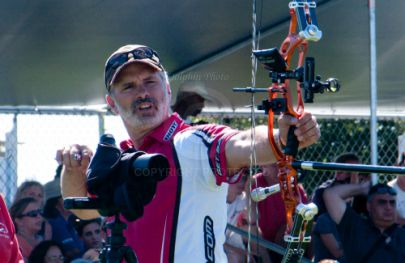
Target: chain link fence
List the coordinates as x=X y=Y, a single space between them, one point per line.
x=339 y=135
x=29 y=140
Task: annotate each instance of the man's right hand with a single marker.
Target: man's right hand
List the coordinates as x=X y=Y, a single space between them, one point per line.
x=75 y=160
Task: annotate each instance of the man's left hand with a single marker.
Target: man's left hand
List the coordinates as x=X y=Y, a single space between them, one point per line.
x=307 y=129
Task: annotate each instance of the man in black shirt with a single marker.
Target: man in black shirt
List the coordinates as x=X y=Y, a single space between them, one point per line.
x=377 y=239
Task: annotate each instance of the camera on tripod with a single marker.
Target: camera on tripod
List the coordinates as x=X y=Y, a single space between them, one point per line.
x=122 y=181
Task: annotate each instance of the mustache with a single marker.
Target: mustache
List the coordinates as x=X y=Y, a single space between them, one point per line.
x=137 y=102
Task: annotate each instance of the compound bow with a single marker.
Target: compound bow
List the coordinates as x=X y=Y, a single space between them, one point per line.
x=299 y=216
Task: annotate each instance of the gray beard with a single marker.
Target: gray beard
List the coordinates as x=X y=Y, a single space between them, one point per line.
x=148 y=122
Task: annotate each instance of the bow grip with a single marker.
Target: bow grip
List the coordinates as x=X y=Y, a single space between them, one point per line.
x=291 y=147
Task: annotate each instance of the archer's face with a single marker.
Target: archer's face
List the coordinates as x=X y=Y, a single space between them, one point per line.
x=140 y=97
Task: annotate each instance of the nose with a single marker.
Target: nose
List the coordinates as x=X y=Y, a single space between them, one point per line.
x=389 y=205
x=141 y=91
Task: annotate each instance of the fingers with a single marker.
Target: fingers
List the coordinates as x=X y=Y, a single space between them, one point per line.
x=75 y=159
x=284 y=123
x=307 y=130
x=74 y=156
x=86 y=155
x=59 y=157
x=287 y=120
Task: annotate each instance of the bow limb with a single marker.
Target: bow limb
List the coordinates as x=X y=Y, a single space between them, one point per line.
x=288 y=178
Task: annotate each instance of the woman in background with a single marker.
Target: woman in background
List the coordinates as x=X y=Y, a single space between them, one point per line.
x=32 y=189
x=27 y=218
x=35 y=190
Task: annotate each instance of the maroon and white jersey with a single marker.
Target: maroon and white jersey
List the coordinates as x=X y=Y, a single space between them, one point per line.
x=186 y=220
x=9 y=249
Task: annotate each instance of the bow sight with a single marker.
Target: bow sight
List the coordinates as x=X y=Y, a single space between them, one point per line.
x=275 y=63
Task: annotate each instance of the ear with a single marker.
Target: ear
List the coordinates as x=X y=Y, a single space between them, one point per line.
x=111 y=104
x=169 y=92
x=368 y=206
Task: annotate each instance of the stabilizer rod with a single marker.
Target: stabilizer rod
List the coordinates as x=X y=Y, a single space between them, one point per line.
x=307 y=165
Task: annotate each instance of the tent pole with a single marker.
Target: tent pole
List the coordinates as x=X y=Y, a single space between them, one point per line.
x=373 y=82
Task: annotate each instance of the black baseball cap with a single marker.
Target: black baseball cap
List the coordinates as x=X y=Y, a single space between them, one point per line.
x=126 y=55
x=381 y=189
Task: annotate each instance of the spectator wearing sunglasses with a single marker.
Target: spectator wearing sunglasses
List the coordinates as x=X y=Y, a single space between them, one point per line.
x=9 y=248
x=27 y=218
x=186 y=220
x=376 y=239
x=399 y=185
x=35 y=190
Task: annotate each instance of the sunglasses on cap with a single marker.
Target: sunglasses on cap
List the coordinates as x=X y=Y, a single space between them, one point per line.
x=33 y=213
x=382 y=189
x=119 y=59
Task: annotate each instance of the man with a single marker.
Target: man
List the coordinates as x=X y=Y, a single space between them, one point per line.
x=377 y=239
x=190 y=100
x=92 y=235
x=272 y=215
x=186 y=220
x=399 y=185
x=326 y=240
x=341 y=177
x=90 y=232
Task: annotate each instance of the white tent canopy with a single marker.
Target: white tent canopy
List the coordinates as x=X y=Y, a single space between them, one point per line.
x=52 y=53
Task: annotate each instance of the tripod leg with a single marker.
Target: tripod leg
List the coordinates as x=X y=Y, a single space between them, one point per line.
x=130 y=256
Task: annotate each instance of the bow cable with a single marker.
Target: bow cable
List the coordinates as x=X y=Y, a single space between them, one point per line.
x=253 y=159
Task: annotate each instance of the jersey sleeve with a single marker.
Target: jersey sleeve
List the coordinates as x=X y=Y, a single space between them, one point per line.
x=219 y=135
x=10 y=251
x=201 y=150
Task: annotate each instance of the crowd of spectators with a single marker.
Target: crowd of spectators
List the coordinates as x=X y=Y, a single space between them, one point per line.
x=40 y=229
x=348 y=213
x=338 y=230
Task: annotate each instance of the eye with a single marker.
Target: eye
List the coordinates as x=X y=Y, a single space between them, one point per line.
x=127 y=87
x=150 y=82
